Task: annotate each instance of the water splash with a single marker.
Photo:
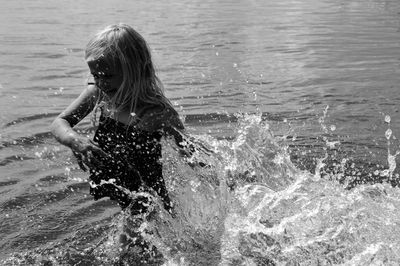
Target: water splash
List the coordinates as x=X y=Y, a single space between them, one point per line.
x=391 y=157
x=245 y=203
x=270 y=212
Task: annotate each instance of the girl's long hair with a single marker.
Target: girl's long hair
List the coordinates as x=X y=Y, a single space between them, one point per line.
x=120 y=45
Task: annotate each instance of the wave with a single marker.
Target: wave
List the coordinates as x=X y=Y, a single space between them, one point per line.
x=30 y=118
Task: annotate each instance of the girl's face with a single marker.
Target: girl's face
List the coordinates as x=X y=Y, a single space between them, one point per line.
x=107 y=77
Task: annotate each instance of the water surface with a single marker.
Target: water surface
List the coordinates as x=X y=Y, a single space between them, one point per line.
x=318 y=80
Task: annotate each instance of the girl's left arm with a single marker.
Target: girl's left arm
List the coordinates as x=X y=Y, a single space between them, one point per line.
x=187 y=145
x=170 y=124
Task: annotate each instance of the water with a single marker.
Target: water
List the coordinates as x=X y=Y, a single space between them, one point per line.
x=298 y=100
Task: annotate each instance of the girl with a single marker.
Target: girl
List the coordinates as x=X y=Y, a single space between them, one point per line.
x=134 y=114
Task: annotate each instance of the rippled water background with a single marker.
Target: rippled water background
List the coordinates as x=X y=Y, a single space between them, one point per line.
x=319 y=80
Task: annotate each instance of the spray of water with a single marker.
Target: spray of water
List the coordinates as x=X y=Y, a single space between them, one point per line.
x=243 y=202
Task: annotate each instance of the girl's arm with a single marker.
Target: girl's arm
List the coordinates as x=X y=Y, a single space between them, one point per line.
x=166 y=120
x=62 y=127
x=72 y=115
x=169 y=122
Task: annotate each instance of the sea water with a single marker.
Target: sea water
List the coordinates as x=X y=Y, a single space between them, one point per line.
x=293 y=106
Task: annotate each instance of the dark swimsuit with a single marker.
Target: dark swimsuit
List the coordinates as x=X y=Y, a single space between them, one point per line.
x=134 y=164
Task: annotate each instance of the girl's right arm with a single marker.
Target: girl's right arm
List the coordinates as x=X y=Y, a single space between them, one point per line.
x=62 y=128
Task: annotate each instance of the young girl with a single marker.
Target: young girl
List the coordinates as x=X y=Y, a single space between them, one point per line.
x=134 y=115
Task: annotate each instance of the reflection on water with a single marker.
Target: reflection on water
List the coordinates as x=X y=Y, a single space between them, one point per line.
x=308 y=181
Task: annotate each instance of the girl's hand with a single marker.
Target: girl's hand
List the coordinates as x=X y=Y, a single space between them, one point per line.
x=88 y=153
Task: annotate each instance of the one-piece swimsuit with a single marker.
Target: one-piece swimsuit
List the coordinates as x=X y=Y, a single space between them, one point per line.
x=133 y=165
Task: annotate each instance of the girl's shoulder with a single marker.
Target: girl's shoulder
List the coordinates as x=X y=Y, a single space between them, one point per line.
x=160 y=118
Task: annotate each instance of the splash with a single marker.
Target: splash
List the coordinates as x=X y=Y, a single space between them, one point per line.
x=391 y=157
x=243 y=202
x=252 y=206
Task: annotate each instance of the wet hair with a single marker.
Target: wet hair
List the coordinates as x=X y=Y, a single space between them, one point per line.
x=120 y=45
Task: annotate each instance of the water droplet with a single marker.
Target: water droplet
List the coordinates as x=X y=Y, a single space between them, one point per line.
x=392 y=163
x=234 y=65
x=385 y=173
x=388 y=133
x=333 y=127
